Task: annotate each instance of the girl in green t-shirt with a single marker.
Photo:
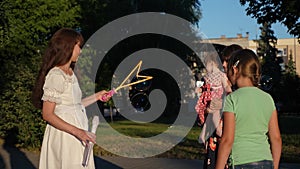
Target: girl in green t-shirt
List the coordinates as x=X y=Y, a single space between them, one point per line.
x=250 y=118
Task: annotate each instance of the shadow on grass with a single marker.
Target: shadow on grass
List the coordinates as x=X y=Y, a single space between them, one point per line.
x=290 y=133
x=289 y=124
x=101 y=163
x=17 y=158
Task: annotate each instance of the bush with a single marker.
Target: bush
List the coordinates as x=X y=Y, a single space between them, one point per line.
x=288 y=93
x=19 y=119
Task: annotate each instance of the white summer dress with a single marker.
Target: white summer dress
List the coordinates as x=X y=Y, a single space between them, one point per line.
x=61 y=150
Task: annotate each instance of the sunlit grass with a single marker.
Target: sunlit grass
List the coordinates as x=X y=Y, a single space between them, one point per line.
x=190 y=148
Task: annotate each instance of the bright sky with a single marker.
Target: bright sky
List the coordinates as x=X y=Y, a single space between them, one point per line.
x=228 y=17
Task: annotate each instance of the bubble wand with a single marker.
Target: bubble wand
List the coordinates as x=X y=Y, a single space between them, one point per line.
x=123 y=85
x=90 y=145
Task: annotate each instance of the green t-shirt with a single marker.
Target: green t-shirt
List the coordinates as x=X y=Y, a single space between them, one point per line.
x=252 y=108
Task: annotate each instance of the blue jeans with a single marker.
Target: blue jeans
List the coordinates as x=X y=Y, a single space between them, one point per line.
x=265 y=164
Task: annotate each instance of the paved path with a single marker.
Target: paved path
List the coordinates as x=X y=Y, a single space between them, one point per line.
x=13 y=158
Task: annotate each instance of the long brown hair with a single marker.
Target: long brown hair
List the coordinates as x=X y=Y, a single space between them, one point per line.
x=228 y=50
x=247 y=63
x=58 y=53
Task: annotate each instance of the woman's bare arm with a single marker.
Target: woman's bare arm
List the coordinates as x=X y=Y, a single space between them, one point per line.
x=93 y=98
x=55 y=121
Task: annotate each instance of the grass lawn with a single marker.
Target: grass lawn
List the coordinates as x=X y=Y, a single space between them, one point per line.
x=189 y=148
x=290 y=132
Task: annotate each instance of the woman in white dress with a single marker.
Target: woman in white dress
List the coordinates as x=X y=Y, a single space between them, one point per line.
x=58 y=94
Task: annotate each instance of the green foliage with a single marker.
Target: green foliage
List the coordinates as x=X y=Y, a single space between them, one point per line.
x=18 y=116
x=291 y=66
x=27 y=24
x=83 y=70
x=286 y=86
x=95 y=13
x=288 y=92
x=267 y=52
x=285 y=90
x=25 y=29
x=273 y=11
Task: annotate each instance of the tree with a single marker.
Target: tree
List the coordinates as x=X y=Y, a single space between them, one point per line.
x=95 y=13
x=287 y=13
x=106 y=11
x=267 y=52
x=291 y=66
x=289 y=89
x=24 y=31
x=273 y=11
x=25 y=28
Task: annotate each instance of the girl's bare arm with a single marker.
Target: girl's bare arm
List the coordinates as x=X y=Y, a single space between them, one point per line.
x=275 y=139
x=226 y=140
